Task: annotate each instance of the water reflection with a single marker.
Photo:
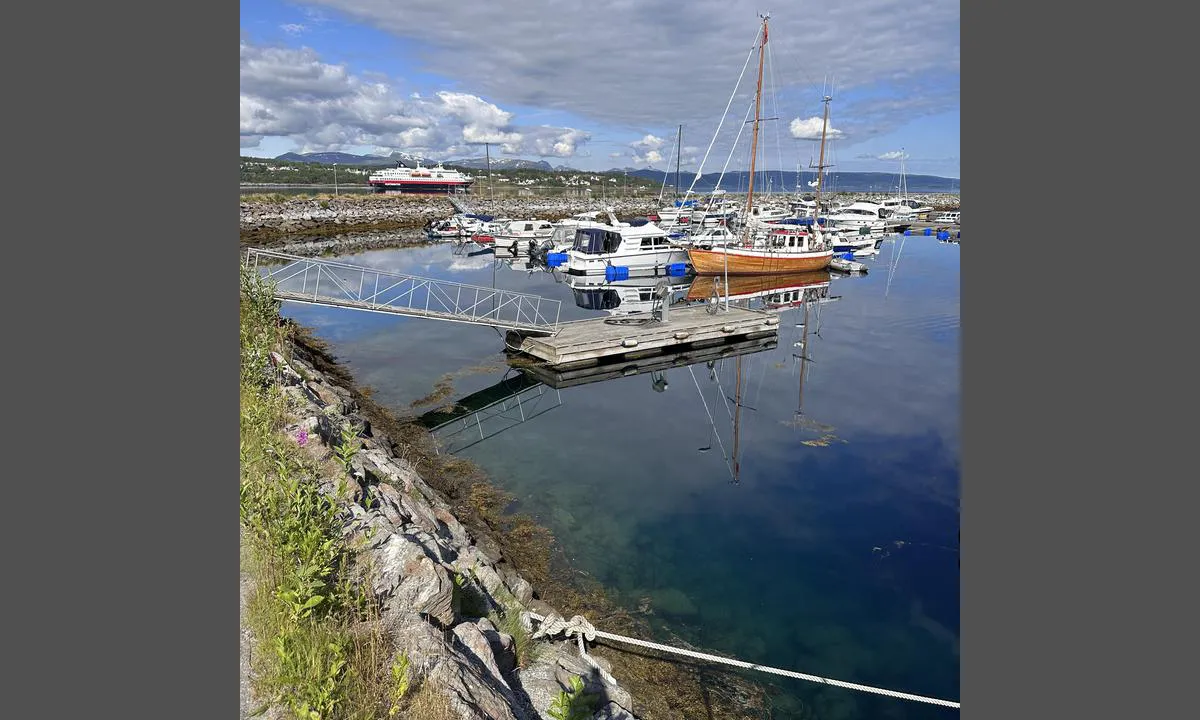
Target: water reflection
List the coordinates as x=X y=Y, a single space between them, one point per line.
x=774 y=292
x=625 y=297
x=835 y=552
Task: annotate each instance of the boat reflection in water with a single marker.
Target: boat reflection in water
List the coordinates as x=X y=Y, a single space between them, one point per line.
x=773 y=292
x=528 y=391
x=625 y=297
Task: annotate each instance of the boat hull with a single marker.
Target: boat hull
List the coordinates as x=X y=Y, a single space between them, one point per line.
x=639 y=262
x=408 y=186
x=751 y=262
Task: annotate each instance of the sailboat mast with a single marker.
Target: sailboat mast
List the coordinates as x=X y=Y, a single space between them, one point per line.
x=803 y=359
x=737 y=422
x=821 y=162
x=757 y=105
x=678 y=157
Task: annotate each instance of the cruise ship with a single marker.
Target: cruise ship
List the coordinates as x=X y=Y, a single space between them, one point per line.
x=419 y=179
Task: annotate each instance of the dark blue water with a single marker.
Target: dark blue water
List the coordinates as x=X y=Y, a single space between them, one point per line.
x=834 y=552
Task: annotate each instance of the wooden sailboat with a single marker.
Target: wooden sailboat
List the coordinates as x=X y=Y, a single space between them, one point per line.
x=786 y=252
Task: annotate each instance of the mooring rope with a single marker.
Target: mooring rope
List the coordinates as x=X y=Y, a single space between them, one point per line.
x=581 y=628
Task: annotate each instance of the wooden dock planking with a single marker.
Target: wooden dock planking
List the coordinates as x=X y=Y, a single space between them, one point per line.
x=679 y=356
x=588 y=342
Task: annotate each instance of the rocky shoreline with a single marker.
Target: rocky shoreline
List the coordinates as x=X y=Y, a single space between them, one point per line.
x=275 y=220
x=436 y=584
x=269 y=220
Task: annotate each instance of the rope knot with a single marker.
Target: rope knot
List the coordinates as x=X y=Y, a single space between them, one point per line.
x=553 y=624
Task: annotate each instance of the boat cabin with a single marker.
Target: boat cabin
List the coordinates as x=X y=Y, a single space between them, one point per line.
x=602 y=241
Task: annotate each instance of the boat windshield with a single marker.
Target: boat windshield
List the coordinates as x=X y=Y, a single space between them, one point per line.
x=595 y=241
x=598 y=299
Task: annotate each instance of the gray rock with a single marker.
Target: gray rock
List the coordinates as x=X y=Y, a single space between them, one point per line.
x=407 y=580
x=444 y=666
x=479 y=649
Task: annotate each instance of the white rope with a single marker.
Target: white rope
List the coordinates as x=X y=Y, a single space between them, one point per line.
x=577 y=625
x=582 y=628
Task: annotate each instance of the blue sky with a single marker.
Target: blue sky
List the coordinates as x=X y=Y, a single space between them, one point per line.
x=604 y=85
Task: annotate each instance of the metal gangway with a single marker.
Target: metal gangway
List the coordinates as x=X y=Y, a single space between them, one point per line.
x=334 y=284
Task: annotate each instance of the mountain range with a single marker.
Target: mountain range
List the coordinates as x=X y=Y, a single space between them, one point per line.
x=480 y=163
x=737 y=181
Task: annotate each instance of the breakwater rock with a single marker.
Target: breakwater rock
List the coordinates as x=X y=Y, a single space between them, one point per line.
x=436 y=584
x=269 y=219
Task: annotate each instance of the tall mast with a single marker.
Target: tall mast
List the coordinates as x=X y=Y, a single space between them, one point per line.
x=803 y=359
x=737 y=422
x=487 y=148
x=678 y=149
x=821 y=162
x=757 y=104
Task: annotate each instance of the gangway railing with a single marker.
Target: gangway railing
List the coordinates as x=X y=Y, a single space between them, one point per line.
x=325 y=282
x=522 y=405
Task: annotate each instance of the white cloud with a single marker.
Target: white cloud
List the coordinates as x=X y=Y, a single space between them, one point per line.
x=649 y=142
x=321 y=106
x=636 y=64
x=649 y=158
x=293 y=28
x=810 y=129
x=557 y=142
x=893 y=155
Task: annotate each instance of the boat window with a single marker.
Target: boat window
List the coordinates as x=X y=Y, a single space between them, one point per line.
x=612 y=241
x=589 y=240
x=599 y=299
x=528 y=226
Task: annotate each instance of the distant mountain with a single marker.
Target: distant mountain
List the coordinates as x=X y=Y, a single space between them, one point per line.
x=341 y=158
x=786 y=181
x=734 y=182
x=502 y=163
x=328 y=158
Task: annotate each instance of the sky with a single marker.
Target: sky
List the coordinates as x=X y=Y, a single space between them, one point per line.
x=597 y=86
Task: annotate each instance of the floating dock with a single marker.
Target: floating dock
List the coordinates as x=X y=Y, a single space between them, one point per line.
x=604 y=340
x=559 y=378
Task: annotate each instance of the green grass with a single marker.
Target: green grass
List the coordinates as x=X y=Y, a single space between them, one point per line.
x=306 y=611
x=526 y=649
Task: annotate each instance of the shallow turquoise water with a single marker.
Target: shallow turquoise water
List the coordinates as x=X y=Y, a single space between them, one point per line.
x=834 y=553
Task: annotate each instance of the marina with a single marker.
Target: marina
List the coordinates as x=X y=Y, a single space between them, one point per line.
x=831 y=435
x=569 y=434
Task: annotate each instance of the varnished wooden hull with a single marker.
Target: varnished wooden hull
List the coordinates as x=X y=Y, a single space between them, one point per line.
x=746 y=262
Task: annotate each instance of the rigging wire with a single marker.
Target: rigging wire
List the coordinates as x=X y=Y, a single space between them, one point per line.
x=712 y=423
x=727 y=106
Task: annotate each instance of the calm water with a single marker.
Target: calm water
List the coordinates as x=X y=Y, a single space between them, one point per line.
x=834 y=553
